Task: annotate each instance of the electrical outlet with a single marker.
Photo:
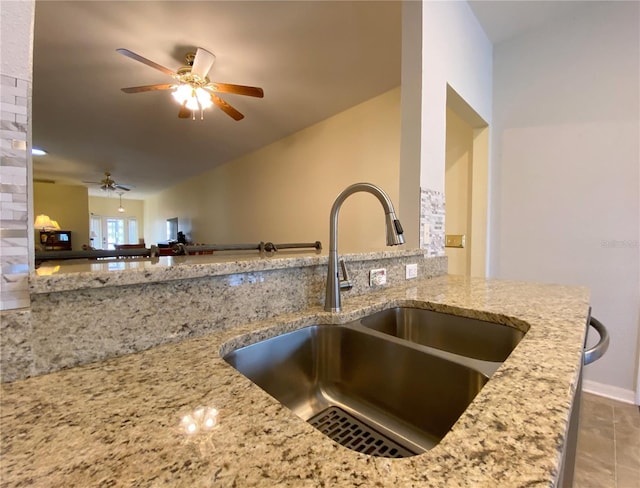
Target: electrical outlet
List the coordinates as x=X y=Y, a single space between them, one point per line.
x=411 y=271
x=378 y=277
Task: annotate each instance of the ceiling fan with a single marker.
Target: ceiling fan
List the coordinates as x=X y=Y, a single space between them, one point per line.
x=108 y=184
x=192 y=87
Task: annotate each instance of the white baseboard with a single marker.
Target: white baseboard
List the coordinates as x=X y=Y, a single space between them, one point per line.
x=609 y=391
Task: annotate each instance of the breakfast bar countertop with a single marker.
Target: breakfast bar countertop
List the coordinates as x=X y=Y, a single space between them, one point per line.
x=75 y=274
x=118 y=422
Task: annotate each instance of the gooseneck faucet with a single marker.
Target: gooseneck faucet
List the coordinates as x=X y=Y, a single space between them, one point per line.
x=394 y=238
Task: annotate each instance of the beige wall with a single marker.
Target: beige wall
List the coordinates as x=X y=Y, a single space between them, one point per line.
x=68 y=205
x=284 y=191
x=457 y=189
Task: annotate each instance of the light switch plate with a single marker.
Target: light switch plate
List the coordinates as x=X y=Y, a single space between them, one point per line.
x=18 y=144
x=378 y=277
x=411 y=271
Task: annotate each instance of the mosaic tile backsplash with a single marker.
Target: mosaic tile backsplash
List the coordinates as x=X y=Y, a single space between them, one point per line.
x=432 y=213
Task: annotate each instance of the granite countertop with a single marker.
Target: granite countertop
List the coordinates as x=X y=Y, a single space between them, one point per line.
x=117 y=422
x=55 y=276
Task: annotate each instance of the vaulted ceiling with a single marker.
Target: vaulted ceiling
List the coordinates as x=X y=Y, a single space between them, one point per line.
x=313 y=60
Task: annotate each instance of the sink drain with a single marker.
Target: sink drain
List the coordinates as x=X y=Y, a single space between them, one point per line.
x=356 y=435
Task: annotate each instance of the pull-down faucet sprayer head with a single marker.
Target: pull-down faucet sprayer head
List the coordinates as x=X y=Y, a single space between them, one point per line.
x=394 y=230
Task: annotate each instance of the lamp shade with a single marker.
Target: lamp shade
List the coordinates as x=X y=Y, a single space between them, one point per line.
x=43 y=222
x=55 y=225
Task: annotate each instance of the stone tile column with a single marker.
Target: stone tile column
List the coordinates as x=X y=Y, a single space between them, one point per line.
x=16 y=221
x=14 y=184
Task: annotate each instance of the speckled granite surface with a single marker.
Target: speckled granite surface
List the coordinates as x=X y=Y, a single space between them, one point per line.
x=82 y=274
x=116 y=423
x=127 y=306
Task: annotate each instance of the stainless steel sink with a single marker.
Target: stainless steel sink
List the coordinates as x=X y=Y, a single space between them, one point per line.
x=471 y=338
x=369 y=392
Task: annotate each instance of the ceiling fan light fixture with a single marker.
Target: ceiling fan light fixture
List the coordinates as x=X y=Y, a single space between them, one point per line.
x=192 y=103
x=193 y=89
x=192 y=98
x=182 y=93
x=204 y=98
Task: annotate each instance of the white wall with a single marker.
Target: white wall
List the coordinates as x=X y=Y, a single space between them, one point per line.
x=459 y=166
x=16 y=35
x=283 y=192
x=455 y=51
x=566 y=169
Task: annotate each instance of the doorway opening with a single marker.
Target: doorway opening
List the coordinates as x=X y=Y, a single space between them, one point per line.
x=466 y=188
x=107 y=232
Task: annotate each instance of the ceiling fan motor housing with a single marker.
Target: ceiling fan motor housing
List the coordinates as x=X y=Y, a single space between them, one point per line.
x=186 y=77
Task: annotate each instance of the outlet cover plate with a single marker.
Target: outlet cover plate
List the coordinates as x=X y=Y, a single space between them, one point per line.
x=411 y=271
x=454 y=240
x=378 y=277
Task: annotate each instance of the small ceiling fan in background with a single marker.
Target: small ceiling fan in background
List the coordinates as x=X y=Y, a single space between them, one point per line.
x=108 y=184
x=192 y=88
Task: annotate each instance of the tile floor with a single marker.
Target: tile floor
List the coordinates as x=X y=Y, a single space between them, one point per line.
x=608 y=444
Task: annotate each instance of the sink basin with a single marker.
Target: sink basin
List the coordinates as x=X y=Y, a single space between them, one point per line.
x=369 y=392
x=472 y=338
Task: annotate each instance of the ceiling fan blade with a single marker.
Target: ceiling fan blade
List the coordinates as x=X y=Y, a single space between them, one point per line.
x=226 y=108
x=137 y=57
x=251 y=91
x=184 y=113
x=118 y=186
x=202 y=63
x=138 y=89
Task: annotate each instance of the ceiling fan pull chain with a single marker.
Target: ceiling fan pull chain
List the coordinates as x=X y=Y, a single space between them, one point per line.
x=199 y=106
